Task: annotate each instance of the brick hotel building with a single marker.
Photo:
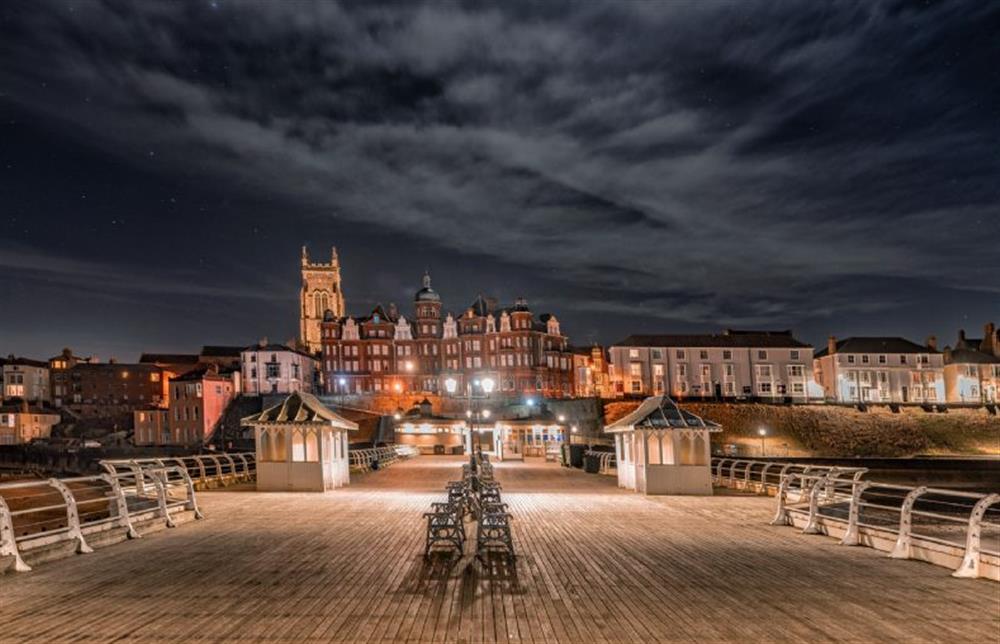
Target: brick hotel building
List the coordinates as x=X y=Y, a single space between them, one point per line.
x=386 y=352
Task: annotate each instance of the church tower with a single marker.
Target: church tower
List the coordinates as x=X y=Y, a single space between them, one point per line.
x=321 y=292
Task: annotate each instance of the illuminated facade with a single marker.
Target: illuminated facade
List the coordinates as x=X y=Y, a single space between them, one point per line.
x=733 y=365
x=321 y=292
x=386 y=352
x=972 y=369
x=880 y=370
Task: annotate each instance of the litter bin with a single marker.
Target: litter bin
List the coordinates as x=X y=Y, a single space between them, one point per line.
x=576 y=455
x=439 y=450
x=591 y=464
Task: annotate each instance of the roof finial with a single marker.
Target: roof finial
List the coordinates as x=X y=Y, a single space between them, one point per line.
x=333 y=254
x=305 y=255
x=427 y=278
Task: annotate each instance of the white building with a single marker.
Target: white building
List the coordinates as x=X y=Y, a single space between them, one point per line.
x=770 y=365
x=862 y=370
x=972 y=369
x=276 y=369
x=25 y=379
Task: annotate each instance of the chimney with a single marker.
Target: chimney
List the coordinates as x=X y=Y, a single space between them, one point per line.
x=932 y=342
x=831 y=345
x=991 y=343
x=961 y=339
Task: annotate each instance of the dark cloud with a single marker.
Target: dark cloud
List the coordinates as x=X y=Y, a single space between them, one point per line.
x=628 y=165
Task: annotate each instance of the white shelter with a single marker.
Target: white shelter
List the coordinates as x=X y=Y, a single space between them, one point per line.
x=301 y=446
x=662 y=449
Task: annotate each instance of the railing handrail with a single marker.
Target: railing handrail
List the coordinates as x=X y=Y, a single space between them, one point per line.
x=110 y=489
x=820 y=486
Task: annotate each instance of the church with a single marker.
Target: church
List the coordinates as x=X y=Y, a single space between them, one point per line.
x=321 y=292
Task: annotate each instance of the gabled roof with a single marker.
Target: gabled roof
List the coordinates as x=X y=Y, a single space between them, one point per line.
x=200 y=373
x=25 y=362
x=300 y=409
x=661 y=412
x=169 y=358
x=876 y=345
x=276 y=348
x=729 y=339
x=219 y=351
x=969 y=356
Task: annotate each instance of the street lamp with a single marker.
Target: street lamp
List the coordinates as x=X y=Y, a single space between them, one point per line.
x=562 y=419
x=762 y=432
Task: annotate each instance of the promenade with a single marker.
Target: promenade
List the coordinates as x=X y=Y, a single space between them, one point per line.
x=595 y=564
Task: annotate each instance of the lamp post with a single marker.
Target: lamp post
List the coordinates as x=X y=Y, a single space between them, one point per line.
x=762 y=432
x=343 y=388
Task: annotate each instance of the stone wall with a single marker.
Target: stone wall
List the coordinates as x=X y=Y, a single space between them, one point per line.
x=820 y=430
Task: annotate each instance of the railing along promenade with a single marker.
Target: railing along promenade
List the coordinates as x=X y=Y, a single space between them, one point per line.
x=43 y=518
x=364 y=460
x=941 y=526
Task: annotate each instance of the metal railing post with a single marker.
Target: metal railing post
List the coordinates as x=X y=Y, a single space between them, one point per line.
x=121 y=505
x=140 y=481
x=192 y=501
x=812 y=525
x=851 y=536
x=763 y=478
x=8 y=540
x=161 y=494
x=246 y=467
x=72 y=517
x=781 y=516
x=969 y=568
x=232 y=467
x=902 y=548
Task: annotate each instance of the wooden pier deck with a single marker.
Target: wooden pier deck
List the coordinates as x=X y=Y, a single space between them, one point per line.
x=595 y=564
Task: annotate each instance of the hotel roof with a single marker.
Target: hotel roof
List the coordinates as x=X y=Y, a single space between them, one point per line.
x=876 y=345
x=728 y=339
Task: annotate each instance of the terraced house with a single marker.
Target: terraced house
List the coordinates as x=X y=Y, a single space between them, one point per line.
x=972 y=368
x=861 y=370
x=732 y=365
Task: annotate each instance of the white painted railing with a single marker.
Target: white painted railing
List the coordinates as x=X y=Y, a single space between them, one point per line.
x=765 y=477
x=39 y=513
x=364 y=459
x=945 y=527
x=607 y=461
x=206 y=470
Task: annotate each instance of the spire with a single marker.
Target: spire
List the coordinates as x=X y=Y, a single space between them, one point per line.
x=305 y=255
x=333 y=255
x=427 y=278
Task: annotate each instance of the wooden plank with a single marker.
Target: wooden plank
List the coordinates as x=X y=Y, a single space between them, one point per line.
x=595 y=564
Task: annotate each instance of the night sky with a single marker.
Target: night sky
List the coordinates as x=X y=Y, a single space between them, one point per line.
x=632 y=167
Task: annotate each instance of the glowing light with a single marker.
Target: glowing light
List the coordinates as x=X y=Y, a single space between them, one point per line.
x=488 y=385
x=573 y=429
x=486 y=413
x=450 y=384
x=562 y=419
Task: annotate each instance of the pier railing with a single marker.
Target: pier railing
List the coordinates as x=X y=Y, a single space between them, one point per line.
x=40 y=515
x=951 y=528
x=205 y=470
x=364 y=459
